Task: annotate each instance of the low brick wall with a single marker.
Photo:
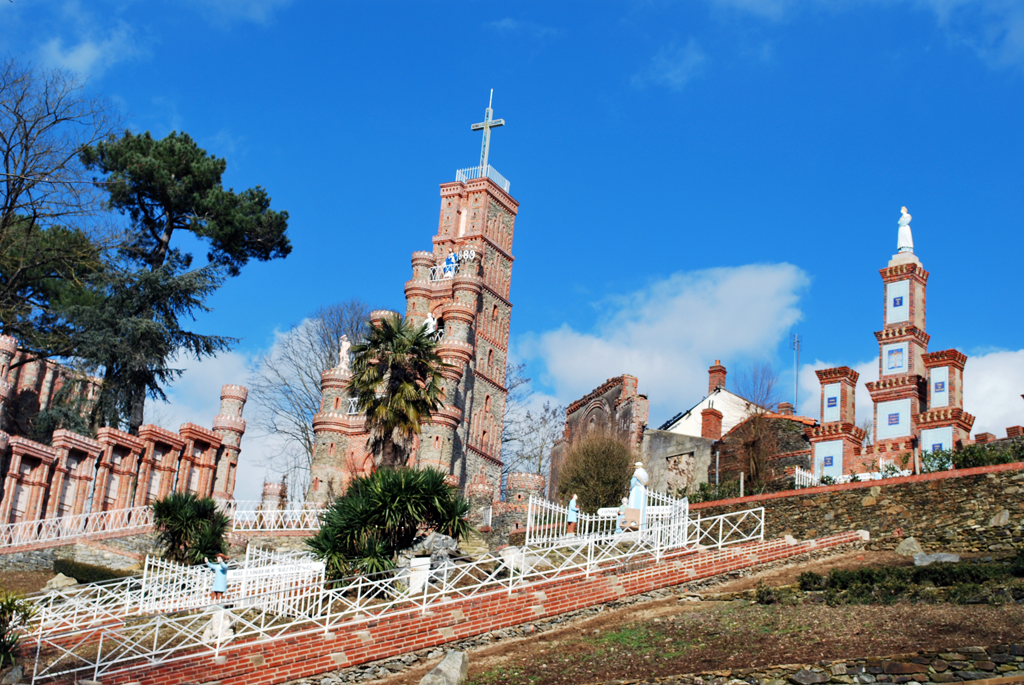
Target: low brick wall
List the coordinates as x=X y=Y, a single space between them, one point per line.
x=948 y=511
x=370 y=639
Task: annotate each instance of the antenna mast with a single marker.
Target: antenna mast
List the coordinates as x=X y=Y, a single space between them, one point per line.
x=795 y=346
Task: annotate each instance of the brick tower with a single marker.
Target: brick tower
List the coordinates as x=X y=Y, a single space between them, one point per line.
x=918 y=397
x=230 y=426
x=836 y=441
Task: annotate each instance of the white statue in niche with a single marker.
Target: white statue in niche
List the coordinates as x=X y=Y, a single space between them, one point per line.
x=431 y=323
x=905 y=241
x=344 y=345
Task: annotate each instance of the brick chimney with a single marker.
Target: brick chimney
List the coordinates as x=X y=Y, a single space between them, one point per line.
x=711 y=424
x=716 y=376
x=785 y=408
x=1015 y=431
x=982 y=438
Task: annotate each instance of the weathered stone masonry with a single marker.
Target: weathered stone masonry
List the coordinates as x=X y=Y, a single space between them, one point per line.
x=945 y=512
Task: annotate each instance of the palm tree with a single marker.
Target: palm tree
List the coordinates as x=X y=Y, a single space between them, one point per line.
x=396 y=379
x=190 y=527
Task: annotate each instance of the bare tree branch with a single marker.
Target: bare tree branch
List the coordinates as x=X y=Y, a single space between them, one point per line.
x=284 y=384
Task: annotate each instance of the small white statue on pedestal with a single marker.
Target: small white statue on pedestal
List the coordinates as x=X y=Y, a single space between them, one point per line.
x=343 y=359
x=905 y=241
x=431 y=323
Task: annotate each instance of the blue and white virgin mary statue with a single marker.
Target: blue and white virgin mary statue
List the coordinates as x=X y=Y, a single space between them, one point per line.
x=638 y=491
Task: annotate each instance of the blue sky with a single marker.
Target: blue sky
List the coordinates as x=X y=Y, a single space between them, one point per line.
x=697 y=179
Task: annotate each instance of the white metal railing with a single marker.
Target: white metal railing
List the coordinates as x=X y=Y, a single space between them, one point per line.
x=464 y=175
x=547 y=522
x=443 y=272
x=806 y=479
x=245 y=516
x=102 y=648
x=40 y=530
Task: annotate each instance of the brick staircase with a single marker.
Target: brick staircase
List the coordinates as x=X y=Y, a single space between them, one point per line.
x=474 y=544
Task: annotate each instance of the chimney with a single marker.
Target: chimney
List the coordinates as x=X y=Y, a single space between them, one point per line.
x=982 y=438
x=711 y=424
x=1015 y=431
x=785 y=408
x=716 y=377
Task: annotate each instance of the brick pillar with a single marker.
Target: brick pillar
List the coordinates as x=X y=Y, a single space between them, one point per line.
x=1015 y=431
x=785 y=408
x=9 y=478
x=230 y=426
x=711 y=424
x=716 y=376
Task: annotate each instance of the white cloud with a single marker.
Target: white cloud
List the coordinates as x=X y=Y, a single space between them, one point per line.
x=91 y=56
x=993 y=384
x=668 y=333
x=673 y=66
x=510 y=25
x=256 y=11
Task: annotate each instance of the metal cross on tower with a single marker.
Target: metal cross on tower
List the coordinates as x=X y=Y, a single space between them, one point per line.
x=486 y=125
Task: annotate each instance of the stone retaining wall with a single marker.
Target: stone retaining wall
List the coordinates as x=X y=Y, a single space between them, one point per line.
x=957 y=511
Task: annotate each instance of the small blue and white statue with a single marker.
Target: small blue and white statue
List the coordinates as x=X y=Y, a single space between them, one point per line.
x=450 y=262
x=638 y=491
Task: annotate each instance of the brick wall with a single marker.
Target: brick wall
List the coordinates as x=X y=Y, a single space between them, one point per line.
x=370 y=639
x=948 y=511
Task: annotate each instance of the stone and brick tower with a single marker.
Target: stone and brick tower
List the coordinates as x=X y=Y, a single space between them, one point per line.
x=836 y=441
x=230 y=426
x=340 y=446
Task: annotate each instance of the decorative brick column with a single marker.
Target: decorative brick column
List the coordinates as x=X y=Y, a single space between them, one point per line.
x=118 y=474
x=836 y=442
x=76 y=457
x=195 y=469
x=159 y=464
x=230 y=426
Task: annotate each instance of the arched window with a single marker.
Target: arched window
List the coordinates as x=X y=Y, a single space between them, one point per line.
x=487 y=403
x=494 y=313
x=490 y=358
x=330 y=450
x=337 y=403
x=483 y=438
x=437 y=442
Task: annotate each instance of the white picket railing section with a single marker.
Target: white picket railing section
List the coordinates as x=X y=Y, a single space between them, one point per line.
x=245 y=516
x=806 y=479
x=547 y=522
x=490 y=172
x=107 y=640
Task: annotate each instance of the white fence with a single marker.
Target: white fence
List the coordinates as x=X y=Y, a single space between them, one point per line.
x=547 y=522
x=245 y=516
x=806 y=479
x=467 y=174
x=74 y=646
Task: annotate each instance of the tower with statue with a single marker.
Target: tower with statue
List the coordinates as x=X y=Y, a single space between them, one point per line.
x=459 y=290
x=918 y=397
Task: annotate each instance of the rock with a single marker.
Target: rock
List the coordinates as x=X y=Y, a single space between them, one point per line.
x=838 y=669
x=898 y=668
x=971 y=675
x=451 y=671
x=219 y=629
x=952 y=656
x=805 y=677
x=12 y=675
x=984 y=665
x=975 y=650
x=868 y=501
x=909 y=548
x=516 y=559
x=1003 y=659
x=1001 y=518
x=1017 y=650
x=944 y=678
x=923 y=559
x=939 y=665
x=58 y=581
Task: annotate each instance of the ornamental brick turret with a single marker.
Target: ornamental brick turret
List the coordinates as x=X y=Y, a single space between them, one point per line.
x=230 y=426
x=340 y=450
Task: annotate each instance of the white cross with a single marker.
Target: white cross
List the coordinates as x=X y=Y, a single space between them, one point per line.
x=486 y=125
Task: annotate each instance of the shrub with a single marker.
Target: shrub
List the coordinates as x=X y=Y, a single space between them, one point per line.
x=939 y=460
x=765 y=594
x=190 y=527
x=87 y=573
x=382 y=513
x=597 y=467
x=811 y=581
x=962 y=593
x=15 y=613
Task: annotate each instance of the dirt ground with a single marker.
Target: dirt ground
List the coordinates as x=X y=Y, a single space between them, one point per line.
x=670 y=637
x=24 y=582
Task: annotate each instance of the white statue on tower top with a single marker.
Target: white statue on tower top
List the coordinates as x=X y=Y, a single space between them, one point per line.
x=343 y=351
x=905 y=241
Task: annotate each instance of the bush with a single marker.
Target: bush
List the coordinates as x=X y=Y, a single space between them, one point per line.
x=811 y=581
x=597 y=467
x=87 y=573
x=383 y=513
x=765 y=594
x=191 y=527
x=15 y=613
